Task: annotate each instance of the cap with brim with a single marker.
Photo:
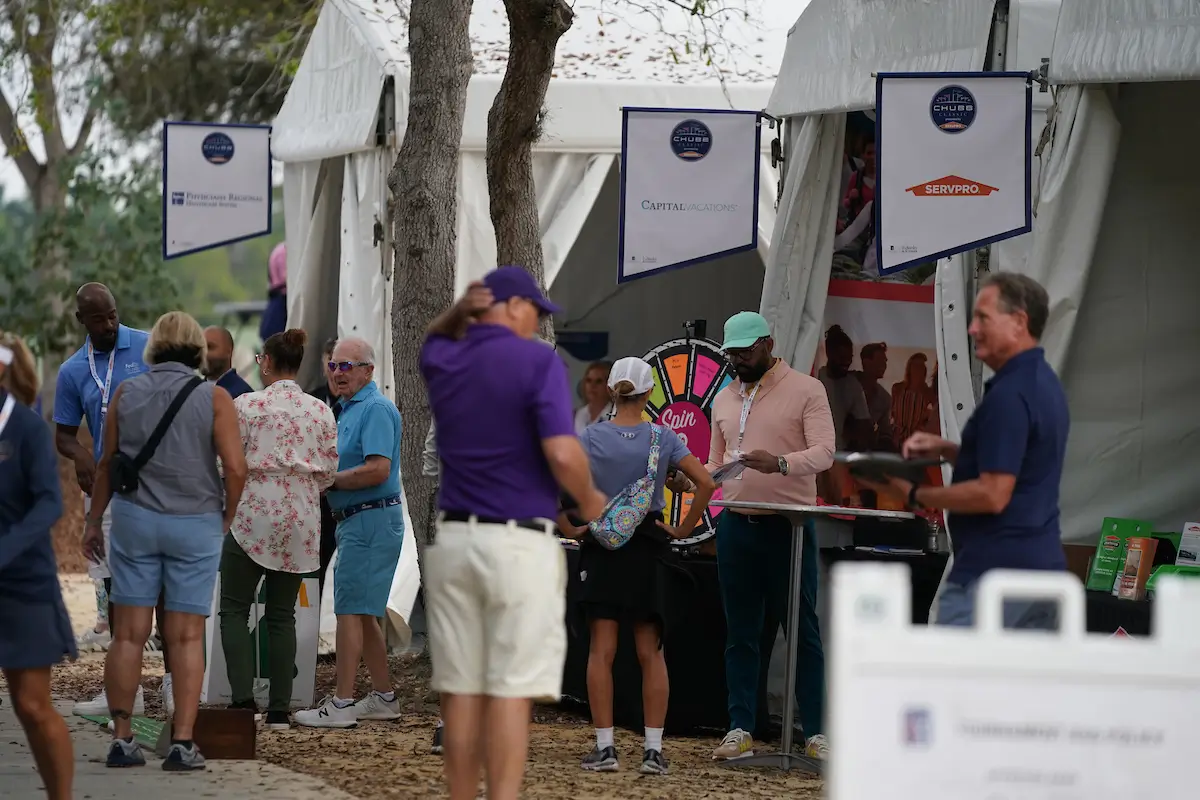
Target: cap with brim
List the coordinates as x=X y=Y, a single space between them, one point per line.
x=743 y=329
x=506 y=283
x=634 y=370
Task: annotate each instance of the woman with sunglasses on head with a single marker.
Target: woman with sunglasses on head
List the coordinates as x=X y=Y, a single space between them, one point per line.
x=290 y=440
x=35 y=631
x=629 y=585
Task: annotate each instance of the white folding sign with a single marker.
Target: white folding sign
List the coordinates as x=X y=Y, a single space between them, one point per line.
x=216 y=185
x=953 y=157
x=941 y=713
x=689 y=187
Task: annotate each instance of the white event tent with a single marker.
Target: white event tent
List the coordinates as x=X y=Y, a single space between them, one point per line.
x=1114 y=241
x=344 y=117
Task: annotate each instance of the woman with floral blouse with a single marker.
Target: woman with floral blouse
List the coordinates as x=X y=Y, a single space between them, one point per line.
x=290 y=440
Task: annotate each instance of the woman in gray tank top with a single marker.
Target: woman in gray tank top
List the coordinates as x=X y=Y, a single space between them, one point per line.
x=166 y=533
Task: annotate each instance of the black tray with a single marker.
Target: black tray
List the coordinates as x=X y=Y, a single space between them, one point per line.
x=878 y=467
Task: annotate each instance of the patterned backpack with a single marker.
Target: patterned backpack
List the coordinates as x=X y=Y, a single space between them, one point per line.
x=620 y=518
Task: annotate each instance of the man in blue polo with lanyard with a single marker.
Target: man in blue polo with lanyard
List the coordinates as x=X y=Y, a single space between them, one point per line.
x=86 y=383
x=365 y=500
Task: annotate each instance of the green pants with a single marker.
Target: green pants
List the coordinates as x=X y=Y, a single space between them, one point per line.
x=239 y=581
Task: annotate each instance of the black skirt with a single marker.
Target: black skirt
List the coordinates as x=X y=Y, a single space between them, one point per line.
x=634 y=583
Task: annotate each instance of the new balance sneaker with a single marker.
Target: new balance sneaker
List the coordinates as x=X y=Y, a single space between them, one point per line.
x=94 y=641
x=653 y=763
x=277 y=721
x=817 y=747
x=167 y=695
x=374 y=707
x=125 y=753
x=601 y=760
x=98 y=705
x=736 y=744
x=329 y=715
x=183 y=758
x=436 y=747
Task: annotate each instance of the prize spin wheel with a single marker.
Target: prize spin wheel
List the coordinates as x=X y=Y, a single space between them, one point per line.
x=688 y=373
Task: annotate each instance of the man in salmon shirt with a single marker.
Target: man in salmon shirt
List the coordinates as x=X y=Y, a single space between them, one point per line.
x=778 y=421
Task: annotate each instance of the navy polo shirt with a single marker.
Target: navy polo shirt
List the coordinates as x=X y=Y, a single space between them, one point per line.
x=495 y=396
x=1019 y=428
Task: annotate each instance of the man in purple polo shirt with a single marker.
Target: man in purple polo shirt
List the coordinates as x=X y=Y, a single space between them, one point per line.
x=495 y=577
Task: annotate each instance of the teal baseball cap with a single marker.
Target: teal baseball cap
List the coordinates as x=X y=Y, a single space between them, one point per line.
x=744 y=329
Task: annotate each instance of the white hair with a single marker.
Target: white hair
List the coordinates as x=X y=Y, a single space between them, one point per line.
x=361 y=346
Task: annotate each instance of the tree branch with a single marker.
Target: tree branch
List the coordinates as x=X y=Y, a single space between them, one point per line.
x=85 y=129
x=39 y=49
x=17 y=145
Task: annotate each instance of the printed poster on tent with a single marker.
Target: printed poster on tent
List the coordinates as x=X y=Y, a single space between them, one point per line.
x=954 y=154
x=216 y=185
x=689 y=188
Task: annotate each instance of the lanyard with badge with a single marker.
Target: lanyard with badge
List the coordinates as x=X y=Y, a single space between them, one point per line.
x=105 y=386
x=747 y=402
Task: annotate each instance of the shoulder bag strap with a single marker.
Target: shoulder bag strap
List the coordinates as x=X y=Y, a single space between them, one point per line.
x=147 y=451
x=652 y=462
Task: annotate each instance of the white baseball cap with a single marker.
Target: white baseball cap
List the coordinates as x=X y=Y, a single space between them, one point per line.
x=635 y=371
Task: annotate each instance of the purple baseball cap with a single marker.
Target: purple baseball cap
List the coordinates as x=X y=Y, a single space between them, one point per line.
x=506 y=283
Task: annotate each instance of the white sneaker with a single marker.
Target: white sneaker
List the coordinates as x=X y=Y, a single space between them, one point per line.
x=817 y=747
x=373 y=706
x=98 y=705
x=94 y=641
x=168 y=695
x=328 y=716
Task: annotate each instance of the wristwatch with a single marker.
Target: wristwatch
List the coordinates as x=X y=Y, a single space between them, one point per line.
x=783 y=466
x=912 y=497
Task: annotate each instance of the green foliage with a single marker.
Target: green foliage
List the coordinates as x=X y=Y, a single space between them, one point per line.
x=109 y=231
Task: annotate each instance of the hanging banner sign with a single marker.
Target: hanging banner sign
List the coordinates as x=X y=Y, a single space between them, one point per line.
x=216 y=185
x=689 y=187
x=954 y=154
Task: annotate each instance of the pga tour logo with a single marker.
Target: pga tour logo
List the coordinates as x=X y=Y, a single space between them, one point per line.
x=217 y=148
x=691 y=140
x=952 y=109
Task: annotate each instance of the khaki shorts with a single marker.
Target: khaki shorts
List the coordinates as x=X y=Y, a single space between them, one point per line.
x=496 y=603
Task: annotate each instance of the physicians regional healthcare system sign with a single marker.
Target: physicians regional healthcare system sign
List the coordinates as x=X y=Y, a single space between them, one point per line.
x=689 y=187
x=216 y=185
x=954 y=154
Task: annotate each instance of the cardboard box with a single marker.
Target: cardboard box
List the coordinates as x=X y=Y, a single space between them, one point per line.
x=1110 y=552
x=1139 y=565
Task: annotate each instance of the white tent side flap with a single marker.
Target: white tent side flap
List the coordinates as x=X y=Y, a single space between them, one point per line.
x=1110 y=41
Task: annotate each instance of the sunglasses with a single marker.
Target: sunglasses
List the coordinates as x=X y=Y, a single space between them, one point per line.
x=741 y=354
x=346 y=366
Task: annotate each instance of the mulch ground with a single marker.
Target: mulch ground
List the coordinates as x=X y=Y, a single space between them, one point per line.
x=392 y=759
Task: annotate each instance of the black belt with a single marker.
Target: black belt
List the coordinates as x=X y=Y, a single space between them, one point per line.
x=528 y=524
x=340 y=514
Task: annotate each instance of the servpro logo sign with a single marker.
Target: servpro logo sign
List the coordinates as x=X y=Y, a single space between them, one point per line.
x=952 y=186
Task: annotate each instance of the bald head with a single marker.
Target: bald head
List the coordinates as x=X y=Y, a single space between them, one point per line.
x=354 y=366
x=96 y=310
x=354 y=349
x=219 y=360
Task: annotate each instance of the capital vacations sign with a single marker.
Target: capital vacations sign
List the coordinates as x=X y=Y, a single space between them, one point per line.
x=954 y=153
x=689 y=187
x=216 y=185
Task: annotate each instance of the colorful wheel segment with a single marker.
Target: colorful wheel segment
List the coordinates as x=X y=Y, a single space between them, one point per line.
x=688 y=373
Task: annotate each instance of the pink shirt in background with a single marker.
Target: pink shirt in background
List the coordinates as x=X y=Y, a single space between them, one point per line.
x=790 y=417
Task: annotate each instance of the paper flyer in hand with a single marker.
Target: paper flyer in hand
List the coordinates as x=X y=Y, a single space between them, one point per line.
x=729 y=471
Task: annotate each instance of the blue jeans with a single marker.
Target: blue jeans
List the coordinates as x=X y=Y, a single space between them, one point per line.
x=175 y=554
x=956 y=607
x=754 y=555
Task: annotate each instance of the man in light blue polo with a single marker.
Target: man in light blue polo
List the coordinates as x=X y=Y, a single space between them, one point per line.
x=86 y=383
x=365 y=500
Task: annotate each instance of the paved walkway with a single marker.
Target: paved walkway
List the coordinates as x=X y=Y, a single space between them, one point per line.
x=229 y=780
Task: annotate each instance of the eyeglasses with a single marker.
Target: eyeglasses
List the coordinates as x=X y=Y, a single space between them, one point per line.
x=346 y=366
x=259 y=358
x=742 y=353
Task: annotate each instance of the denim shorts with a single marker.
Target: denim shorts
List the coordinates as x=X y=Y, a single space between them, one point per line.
x=368 y=547
x=956 y=607
x=178 y=554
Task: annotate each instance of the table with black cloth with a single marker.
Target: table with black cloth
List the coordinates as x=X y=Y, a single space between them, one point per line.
x=695 y=645
x=1106 y=613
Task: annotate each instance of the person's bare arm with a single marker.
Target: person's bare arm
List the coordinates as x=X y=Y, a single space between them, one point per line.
x=66 y=442
x=101 y=488
x=453 y=321
x=227 y=439
x=569 y=465
x=704 y=484
x=372 y=472
x=990 y=493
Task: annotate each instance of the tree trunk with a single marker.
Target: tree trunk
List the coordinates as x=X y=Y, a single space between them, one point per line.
x=514 y=125
x=424 y=234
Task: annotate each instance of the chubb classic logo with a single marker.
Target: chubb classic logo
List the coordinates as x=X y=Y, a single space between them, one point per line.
x=952 y=186
x=691 y=140
x=217 y=148
x=952 y=109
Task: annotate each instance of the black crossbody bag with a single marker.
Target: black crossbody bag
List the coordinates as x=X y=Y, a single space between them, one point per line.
x=124 y=471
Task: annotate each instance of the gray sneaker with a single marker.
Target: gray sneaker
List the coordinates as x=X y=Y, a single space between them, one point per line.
x=181 y=758
x=124 y=753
